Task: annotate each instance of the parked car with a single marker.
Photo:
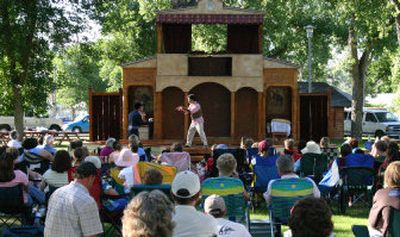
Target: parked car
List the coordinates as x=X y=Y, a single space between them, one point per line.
x=80 y=124
x=7 y=123
x=376 y=122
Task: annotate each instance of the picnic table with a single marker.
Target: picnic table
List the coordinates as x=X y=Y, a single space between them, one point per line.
x=59 y=136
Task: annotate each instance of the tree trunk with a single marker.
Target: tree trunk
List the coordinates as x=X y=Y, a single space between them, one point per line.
x=396 y=4
x=18 y=110
x=357 y=102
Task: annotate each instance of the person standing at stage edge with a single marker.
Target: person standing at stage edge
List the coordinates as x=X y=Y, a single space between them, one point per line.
x=136 y=118
x=197 y=123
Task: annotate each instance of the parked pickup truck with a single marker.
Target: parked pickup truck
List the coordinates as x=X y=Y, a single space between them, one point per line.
x=376 y=122
x=7 y=123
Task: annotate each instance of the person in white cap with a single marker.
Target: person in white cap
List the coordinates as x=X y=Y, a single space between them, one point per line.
x=186 y=191
x=215 y=206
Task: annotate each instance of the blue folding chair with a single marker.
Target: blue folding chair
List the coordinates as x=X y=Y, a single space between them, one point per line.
x=284 y=194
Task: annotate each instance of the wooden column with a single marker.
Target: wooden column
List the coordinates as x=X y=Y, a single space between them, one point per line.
x=91 y=137
x=158 y=116
x=159 y=38
x=260 y=39
x=186 y=120
x=126 y=111
x=233 y=114
x=261 y=116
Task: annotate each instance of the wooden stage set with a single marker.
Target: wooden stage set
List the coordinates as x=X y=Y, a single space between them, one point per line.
x=240 y=90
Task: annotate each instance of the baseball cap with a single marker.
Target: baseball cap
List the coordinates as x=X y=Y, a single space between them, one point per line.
x=214 y=205
x=186 y=184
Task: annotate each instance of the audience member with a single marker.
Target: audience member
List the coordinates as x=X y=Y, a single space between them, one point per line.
x=48 y=144
x=176 y=147
x=152 y=177
x=74 y=144
x=136 y=147
x=116 y=151
x=126 y=163
x=313 y=161
x=215 y=205
x=30 y=145
x=265 y=148
x=310 y=217
x=345 y=150
x=79 y=155
x=384 y=200
x=108 y=149
x=327 y=149
x=95 y=191
x=301 y=145
x=379 y=151
x=285 y=165
x=385 y=139
x=185 y=189
x=57 y=176
x=72 y=211
x=149 y=214
x=10 y=177
x=392 y=155
x=14 y=140
x=289 y=149
x=353 y=142
x=227 y=181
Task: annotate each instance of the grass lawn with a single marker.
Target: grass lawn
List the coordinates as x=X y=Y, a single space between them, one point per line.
x=356 y=215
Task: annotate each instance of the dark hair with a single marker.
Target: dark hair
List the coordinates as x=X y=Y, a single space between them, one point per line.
x=41 y=139
x=177 y=147
x=75 y=144
x=192 y=97
x=138 y=105
x=6 y=165
x=392 y=152
x=381 y=146
x=353 y=142
x=345 y=150
x=134 y=147
x=14 y=134
x=86 y=169
x=185 y=201
x=80 y=154
x=301 y=145
x=117 y=146
x=311 y=217
x=152 y=177
x=61 y=162
x=29 y=143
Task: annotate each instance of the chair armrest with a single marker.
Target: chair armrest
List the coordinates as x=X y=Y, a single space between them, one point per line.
x=360 y=230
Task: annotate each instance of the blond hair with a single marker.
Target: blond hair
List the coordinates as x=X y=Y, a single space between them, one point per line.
x=226 y=164
x=392 y=175
x=149 y=214
x=289 y=143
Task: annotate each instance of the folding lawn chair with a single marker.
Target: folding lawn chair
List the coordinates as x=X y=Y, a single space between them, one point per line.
x=284 y=194
x=231 y=189
x=12 y=207
x=393 y=228
x=137 y=188
x=264 y=171
x=168 y=172
x=314 y=166
x=181 y=160
x=356 y=182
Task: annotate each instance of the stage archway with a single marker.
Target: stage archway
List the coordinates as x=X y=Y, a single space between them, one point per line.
x=215 y=100
x=246 y=107
x=172 y=121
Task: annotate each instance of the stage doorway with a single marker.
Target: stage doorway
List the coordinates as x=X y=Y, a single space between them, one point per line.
x=215 y=101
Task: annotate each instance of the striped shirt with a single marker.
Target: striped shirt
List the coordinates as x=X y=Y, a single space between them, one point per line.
x=55 y=179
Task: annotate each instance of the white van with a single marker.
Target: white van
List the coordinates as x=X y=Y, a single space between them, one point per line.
x=376 y=122
x=7 y=123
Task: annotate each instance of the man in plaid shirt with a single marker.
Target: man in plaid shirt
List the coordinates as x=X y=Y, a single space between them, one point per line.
x=72 y=211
